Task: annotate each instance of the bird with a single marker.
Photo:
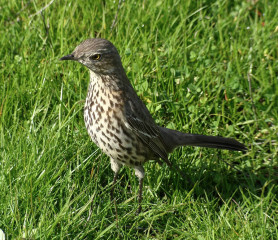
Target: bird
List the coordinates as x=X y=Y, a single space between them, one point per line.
x=120 y=124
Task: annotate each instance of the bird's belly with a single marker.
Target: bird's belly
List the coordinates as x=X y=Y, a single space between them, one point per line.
x=111 y=135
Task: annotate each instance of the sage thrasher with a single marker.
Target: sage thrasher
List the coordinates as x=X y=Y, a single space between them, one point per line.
x=118 y=121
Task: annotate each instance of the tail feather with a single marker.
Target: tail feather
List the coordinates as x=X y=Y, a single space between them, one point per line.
x=173 y=139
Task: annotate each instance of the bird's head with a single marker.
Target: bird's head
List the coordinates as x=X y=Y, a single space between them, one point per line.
x=97 y=54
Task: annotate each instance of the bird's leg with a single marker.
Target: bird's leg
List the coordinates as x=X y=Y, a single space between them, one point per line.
x=116 y=168
x=140 y=173
x=140 y=195
x=112 y=195
x=113 y=185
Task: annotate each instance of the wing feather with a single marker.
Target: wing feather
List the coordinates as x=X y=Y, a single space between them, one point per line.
x=150 y=135
x=140 y=122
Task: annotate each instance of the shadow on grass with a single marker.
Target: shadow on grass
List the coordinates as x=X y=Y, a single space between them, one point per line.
x=214 y=179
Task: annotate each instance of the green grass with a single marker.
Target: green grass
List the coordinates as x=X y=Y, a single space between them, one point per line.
x=189 y=61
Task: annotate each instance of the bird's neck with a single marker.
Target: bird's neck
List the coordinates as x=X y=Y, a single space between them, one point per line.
x=102 y=94
x=105 y=85
x=115 y=82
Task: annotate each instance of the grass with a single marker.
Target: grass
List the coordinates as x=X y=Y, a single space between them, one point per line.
x=190 y=62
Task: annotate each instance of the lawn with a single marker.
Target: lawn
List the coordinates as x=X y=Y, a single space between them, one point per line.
x=207 y=67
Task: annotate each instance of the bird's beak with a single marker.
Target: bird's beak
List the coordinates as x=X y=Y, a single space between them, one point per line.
x=68 y=57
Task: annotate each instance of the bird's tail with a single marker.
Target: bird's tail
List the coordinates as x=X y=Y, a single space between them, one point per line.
x=173 y=139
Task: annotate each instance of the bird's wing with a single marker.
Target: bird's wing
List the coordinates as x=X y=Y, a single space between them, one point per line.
x=139 y=120
x=150 y=135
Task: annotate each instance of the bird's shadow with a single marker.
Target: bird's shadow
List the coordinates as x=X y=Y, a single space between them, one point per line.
x=216 y=179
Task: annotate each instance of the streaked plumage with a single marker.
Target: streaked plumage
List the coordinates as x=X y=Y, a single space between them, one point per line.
x=119 y=122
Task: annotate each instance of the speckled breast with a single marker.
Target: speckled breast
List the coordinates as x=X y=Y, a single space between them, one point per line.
x=104 y=120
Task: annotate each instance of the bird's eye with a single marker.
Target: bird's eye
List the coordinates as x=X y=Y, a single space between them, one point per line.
x=95 y=57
